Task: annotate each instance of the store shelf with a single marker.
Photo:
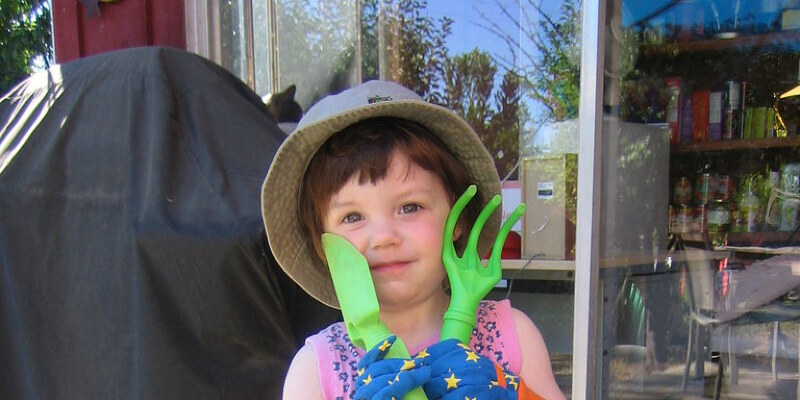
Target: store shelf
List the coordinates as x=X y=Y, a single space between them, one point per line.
x=565 y=269
x=764 y=239
x=539 y=269
x=731 y=145
x=750 y=242
x=763 y=250
x=549 y=265
x=789 y=39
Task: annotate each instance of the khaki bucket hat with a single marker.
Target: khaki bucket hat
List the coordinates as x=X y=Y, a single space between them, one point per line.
x=281 y=188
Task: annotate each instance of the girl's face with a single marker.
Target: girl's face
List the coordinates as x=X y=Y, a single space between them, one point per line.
x=397 y=224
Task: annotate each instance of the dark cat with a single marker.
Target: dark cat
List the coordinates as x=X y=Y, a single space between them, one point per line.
x=282 y=107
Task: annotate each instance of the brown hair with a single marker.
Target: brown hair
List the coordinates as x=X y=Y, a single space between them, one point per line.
x=364 y=148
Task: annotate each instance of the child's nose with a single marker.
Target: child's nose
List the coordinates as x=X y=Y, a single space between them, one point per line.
x=384 y=233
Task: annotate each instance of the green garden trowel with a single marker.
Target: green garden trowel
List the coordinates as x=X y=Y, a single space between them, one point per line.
x=358 y=301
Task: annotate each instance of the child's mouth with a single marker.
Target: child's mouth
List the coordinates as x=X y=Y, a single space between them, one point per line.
x=389 y=266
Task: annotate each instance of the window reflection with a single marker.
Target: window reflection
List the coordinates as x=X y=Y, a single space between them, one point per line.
x=720 y=183
x=509 y=67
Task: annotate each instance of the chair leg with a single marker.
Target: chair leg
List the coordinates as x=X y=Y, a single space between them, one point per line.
x=718 y=378
x=699 y=350
x=798 y=362
x=733 y=365
x=776 y=326
x=689 y=354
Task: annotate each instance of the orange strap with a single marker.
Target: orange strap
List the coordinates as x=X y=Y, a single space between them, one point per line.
x=501 y=376
x=523 y=391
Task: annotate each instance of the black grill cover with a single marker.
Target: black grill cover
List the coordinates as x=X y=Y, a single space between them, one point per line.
x=133 y=261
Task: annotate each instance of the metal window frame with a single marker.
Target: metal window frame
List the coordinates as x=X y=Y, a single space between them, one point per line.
x=587 y=330
x=201 y=38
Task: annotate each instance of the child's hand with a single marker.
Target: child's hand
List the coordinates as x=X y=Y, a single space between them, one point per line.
x=380 y=378
x=470 y=281
x=457 y=372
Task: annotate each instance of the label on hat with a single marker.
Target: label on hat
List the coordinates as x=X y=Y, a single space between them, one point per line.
x=378 y=99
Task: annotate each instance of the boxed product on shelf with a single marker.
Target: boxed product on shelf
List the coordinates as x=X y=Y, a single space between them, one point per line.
x=731 y=112
x=686 y=119
x=700 y=115
x=743 y=96
x=790 y=19
x=747 y=124
x=635 y=191
x=674 y=109
x=715 y=115
x=770 y=123
x=759 y=123
x=548 y=191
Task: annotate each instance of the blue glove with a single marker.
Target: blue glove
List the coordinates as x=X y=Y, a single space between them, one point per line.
x=457 y=372
x=387 y=379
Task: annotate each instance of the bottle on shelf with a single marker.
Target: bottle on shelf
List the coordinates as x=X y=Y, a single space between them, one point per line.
x=718 y=223
x=790 y=199
x=750 y=208
x=731 y=116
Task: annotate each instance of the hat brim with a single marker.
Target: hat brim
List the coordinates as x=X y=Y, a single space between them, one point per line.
x=281 y=188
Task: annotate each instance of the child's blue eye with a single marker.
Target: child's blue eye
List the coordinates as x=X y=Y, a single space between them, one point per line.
x=410 y=208
x=351 y=218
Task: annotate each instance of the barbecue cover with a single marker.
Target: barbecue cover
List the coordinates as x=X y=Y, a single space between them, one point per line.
x=133 y=260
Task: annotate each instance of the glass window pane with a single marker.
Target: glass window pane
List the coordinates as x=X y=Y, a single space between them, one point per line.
x=232 y=42
x=262 y=46
x=699 y=199
x=509 y=67
x=316 y=47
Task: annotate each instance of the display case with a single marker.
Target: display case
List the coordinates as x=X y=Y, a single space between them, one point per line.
x=728 y=142
x=720 y=77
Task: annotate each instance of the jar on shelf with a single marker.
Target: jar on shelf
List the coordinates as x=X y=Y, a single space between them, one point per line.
x=724 y=187
x=704 y=189
x=701 y=217
x=750 y=211
x=718 y=223
x=683 y=219
x=683 y=191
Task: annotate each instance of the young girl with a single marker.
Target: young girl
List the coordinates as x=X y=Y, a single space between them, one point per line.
x=380 y=167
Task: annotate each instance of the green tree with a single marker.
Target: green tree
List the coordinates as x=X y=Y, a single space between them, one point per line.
x=494 y=114
x=323 y=43
x=506 y=124
x=549 y=47
x=415 y=54
x=469 y=82
x=25 y=37
x=414 y=43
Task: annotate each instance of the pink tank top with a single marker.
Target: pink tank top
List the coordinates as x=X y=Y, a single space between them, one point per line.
x=494 y=337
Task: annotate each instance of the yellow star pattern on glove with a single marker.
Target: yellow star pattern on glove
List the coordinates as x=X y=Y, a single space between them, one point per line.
x=385 y=345
x=361 y=371
x=511 y=380
x=423 y=354
x=368 y=380
x=471 y=356
x=452 y=382
x=467 y=398
x=407 y=365
x=463 y=346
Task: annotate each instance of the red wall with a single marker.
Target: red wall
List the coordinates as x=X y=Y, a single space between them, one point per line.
x=121 y=24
